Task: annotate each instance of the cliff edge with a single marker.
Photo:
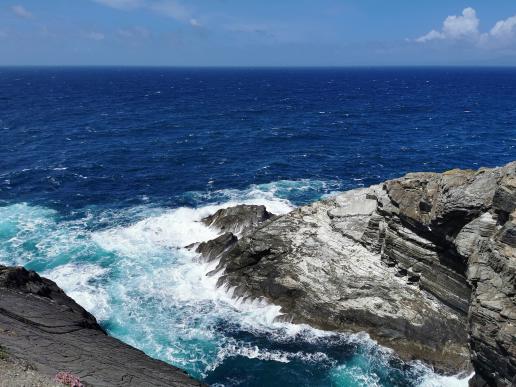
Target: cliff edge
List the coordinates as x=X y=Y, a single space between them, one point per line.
x=426 y=264
x=44 y=332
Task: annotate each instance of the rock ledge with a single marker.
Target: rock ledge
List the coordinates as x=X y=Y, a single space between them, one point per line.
x=425 y=263
x=43 y=327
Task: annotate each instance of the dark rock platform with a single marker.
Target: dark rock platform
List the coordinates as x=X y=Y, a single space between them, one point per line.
x=40 y=324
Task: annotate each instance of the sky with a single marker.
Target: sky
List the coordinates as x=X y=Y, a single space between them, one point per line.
x=258 y=33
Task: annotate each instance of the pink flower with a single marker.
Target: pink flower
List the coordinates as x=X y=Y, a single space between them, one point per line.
x=68 y=379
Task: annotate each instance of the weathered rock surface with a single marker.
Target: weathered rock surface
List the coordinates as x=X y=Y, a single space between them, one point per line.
x=214 y=248
x=238 y=219
x=40 y=324
x=492 y=273
x=311 y=263
x=425 y=263
x=19 y=373
x=468 y=216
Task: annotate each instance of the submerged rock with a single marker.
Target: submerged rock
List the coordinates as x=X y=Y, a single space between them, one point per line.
x=425 y=263
x=46 y=329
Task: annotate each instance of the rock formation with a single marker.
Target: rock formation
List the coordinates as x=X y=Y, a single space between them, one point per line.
x=233 y=221
x=42 y=327
x=425 y=263
x=238 y=219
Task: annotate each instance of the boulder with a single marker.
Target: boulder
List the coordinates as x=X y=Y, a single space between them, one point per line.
x=238 y=219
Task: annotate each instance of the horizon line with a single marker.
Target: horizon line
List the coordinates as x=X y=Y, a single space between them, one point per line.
x=363 y=66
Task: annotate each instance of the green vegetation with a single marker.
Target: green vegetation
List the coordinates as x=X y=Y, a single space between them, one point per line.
x=3 y=353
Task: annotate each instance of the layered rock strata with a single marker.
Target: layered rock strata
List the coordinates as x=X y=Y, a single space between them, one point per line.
x=425 y=263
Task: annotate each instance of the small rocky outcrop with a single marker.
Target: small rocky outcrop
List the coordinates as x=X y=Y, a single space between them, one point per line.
x=238 y=219
x=42 y=327
x=232 y=221
x=214 y=248
x=425 y=263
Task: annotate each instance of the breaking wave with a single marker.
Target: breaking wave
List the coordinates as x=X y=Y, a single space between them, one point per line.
x=130 y=268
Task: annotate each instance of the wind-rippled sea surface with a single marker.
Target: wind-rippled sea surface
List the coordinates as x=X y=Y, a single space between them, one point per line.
x=105 y=172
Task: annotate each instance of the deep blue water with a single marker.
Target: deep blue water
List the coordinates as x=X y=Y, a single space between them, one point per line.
x=104 y=172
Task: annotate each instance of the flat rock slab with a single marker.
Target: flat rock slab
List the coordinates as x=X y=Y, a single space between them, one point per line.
x=55 y=335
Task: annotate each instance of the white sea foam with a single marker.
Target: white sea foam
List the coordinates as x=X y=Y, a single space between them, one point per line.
x=157 y=271
x=80 y=284
x=345 y=375
x=156 y=294
x=156 y=245
x=160 y=284
x=177 y=228
x=233 y=348
x=172 y=229
x=432 y=379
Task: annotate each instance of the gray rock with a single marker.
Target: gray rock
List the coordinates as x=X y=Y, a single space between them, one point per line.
x=212 y=249
x=238 y=219
x=469 y=217
x=492 y=314
x=425 y=263
x=319 y=274
x=504 y=199
x=40 y=324
x=19 y=373
x=473 y=234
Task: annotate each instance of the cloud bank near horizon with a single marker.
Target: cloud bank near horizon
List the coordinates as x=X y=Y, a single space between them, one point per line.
x=465 y=28
x=236 y=33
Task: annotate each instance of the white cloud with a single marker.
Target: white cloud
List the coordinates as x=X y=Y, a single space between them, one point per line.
x=195 y=23
x=465 y=27
x=21 y=11
x=94 y=35
x=455 y=27
x=432 y=35
x=169 y=8
x=504 y=29
x=121 y=4
x=133 y=33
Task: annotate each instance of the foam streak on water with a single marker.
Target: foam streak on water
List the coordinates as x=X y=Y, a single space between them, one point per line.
x=138 y=279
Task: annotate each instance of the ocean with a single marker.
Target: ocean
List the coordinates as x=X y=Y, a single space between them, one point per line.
x=106 y=172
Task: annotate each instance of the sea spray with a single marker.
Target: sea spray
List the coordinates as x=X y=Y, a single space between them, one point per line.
x=131 y=269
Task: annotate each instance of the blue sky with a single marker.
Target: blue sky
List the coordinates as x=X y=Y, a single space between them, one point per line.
x=257 y=33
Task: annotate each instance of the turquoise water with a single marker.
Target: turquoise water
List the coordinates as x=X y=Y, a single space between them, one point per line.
x=104 y=173
x=131 y=270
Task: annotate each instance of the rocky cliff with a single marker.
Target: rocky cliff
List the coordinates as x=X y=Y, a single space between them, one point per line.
x=425 y=263
x=44 y=332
